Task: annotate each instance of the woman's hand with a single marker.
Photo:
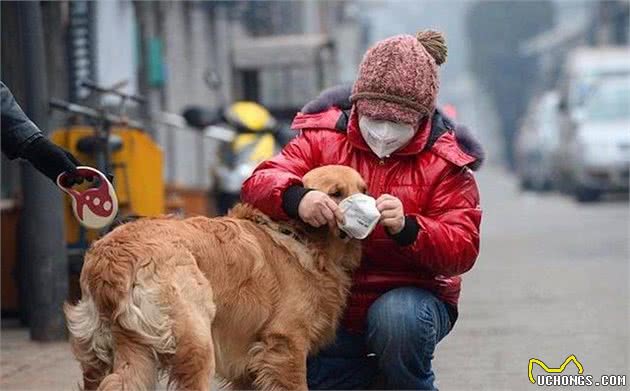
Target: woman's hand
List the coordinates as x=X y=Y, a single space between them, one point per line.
x=392 y=213
x=317 y=208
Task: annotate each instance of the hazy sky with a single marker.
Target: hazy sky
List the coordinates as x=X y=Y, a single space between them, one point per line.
x=389 y=18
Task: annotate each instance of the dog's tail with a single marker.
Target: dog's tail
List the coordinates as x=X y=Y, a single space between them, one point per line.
x=91 y=340
x=119 y=319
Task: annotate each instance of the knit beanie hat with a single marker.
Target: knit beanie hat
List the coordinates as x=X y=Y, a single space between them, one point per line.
x=398 y=79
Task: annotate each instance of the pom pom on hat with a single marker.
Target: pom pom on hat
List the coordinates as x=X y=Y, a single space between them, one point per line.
x=435 y=44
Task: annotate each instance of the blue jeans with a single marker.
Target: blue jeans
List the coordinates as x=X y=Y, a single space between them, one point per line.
x=403 y=327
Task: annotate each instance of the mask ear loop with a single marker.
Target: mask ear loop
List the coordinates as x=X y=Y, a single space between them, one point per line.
x=421 y=121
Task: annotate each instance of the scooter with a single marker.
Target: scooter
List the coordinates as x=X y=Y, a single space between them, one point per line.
x=249 y=134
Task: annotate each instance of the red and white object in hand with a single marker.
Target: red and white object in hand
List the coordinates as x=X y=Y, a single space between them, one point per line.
x=95 y=207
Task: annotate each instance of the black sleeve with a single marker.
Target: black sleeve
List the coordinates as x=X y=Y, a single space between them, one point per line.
x=17 y=130
x=408 y=234
x=291 y=200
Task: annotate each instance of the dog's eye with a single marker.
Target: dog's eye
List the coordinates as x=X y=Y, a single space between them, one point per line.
x=336 y=194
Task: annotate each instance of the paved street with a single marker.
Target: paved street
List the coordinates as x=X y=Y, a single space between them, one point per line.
x=552 y=280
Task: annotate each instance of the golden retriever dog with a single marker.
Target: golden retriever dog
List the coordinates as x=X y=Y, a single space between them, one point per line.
x=241 y=297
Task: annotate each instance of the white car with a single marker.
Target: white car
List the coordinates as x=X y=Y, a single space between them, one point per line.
x=537 y=143
x=598 y=146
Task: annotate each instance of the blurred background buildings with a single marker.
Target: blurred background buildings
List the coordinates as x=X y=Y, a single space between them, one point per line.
x=281 y=53
x=277 y=53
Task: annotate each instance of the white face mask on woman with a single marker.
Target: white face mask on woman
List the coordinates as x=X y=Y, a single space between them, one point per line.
x=384 y=137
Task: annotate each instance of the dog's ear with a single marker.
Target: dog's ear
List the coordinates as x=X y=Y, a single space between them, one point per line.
x=317 y=179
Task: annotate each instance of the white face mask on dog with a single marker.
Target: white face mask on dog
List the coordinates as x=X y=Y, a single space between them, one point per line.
x=384 y=137
x=360 y=215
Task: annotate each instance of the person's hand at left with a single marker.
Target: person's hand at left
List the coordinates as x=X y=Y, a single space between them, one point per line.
x=52 y=160
x=392 y=213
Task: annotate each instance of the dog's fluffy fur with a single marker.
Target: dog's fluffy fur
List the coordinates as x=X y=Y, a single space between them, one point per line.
x=240 y=296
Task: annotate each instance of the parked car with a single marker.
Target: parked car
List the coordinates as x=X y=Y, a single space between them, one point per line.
x=537 y=144
x=597 y=146
x=583 y=68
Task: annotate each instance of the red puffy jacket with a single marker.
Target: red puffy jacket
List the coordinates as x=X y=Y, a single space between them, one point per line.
x=429 y=175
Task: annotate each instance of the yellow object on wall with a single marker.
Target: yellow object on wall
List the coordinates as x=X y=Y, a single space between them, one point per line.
x=137 y=169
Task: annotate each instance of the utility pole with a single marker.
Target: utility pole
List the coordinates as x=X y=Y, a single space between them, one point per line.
x=41 y=230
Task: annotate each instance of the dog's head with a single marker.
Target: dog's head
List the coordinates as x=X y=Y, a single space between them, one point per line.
x=337 y=181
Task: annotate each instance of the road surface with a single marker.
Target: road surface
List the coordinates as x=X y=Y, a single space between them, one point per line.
x=551 y=280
